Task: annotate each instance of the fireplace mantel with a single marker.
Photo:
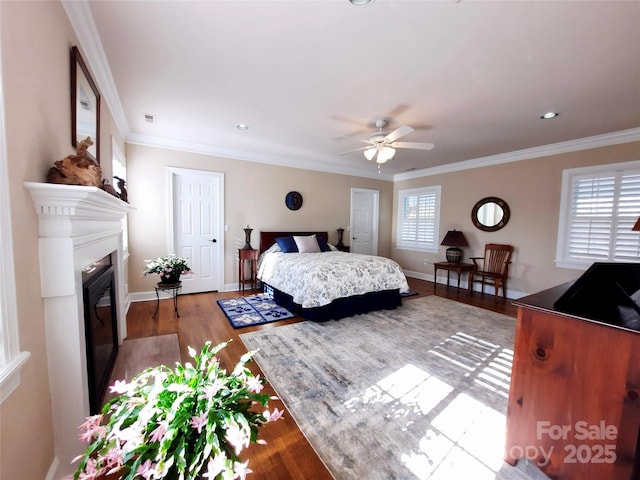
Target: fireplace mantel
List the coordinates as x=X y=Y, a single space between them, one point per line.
x=78 y=225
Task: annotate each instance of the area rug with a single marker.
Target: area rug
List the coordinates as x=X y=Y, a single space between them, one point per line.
x=138 y=354
x=253 y=310
x=419 y=392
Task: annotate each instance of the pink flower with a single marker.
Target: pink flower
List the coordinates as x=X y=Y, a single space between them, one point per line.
x=240 y=470
x=254 y=384
x=98 y=432
x=273 y=416
x=159 y=432
x=114 y=458
x=215 y=466
x=120 y=386
x=199 y=421
x=236 y=437
x=146 y=469
x=211 y=390
x=91 y=422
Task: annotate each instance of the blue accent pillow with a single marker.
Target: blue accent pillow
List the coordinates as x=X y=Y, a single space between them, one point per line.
x=322 y=243
x=287 y=244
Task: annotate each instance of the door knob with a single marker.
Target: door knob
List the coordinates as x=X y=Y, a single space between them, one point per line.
x=213 y=240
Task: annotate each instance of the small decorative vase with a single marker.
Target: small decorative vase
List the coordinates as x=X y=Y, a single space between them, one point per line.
x=171 y=279
x=247 y=238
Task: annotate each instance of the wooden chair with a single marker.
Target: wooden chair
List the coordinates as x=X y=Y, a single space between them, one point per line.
x=494 y=269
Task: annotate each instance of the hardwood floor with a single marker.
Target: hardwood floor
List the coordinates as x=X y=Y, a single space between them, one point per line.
x=287 y=454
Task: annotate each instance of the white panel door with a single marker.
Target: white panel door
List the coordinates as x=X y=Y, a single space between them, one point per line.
x=197 y=227
x=364 y=221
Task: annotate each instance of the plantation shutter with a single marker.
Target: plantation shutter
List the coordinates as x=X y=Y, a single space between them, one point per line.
x=418 y=219
x=604 y=208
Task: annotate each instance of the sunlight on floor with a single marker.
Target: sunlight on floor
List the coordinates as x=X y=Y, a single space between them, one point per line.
x=466 y=437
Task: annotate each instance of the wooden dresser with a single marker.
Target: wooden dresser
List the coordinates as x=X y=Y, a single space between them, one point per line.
x=574 y=401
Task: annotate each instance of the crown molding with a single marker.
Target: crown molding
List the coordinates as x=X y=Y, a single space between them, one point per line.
x=604 y=140
x=81 y=19
x=79 y=14
x=174 y=144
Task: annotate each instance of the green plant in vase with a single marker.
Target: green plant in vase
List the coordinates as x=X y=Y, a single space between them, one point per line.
x=191 y=422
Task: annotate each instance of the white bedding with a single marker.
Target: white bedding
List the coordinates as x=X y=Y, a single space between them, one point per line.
x=317 y=279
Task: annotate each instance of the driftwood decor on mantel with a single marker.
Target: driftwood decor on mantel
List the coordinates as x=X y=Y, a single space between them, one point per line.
x=78 y=169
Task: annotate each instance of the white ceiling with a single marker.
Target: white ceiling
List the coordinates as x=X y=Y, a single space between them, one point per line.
x=472 y=77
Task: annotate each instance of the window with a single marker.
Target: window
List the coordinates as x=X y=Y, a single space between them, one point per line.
x=598 y=209
x=418 y=219
x=119 y=169
x=11 y=358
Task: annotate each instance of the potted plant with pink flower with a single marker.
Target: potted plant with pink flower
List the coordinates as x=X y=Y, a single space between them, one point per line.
x=169 y=267
x=190 y=422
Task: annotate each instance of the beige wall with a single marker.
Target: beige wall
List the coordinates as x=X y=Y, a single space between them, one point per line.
x=36 y=39
x=254 y=195
x=532 y=190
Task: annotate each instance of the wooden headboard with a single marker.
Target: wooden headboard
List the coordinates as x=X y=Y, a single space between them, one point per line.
x=269 y=238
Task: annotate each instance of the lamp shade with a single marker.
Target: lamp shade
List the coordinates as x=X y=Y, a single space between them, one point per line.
x=454 y=238
x=636 y=227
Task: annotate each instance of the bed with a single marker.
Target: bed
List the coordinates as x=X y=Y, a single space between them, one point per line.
x=329 y=284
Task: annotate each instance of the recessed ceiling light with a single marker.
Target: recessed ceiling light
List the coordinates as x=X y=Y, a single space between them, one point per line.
x=360 y=2
x=242 y=126
x=549 y=115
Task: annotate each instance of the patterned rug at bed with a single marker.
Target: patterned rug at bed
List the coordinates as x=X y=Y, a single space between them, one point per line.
x=253 y=310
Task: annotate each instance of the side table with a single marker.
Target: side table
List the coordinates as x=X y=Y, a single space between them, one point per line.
x=251 y=256
x=172 y=289
x=450 y=267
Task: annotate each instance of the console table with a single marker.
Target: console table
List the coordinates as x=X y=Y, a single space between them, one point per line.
x=450 y=267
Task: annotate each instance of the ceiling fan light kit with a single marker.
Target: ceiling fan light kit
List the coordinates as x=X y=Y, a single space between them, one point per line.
x=369 y=153
x=382 y=145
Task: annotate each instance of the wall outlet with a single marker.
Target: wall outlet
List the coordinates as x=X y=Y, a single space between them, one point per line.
x=425 y=261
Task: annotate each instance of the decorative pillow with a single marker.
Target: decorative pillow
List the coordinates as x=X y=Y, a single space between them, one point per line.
x=322 y=243
x=307 y=244
x=287 y=244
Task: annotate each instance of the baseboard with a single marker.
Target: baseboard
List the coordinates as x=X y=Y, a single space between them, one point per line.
x=141 y=297
x=235 y=287
x=511 y=294
x=148 y=296
x=53 y=470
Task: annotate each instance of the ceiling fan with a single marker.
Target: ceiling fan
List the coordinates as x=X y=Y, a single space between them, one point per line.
x=382 y=145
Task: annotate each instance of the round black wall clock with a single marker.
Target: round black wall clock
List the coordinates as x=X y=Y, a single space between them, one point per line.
x=293 y=200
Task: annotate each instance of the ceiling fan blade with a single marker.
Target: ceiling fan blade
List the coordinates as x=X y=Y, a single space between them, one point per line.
x=355 y=150
x=416 y=145
x=398 y=110
x=350 y=135
x=397 y=133
x=353 y=121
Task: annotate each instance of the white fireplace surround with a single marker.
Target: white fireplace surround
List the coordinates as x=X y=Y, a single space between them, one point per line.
x=78 y=225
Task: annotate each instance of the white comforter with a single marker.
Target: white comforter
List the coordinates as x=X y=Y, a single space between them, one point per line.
x=317 y=279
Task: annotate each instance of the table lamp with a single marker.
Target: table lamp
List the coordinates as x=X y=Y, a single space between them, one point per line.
x=454 y=239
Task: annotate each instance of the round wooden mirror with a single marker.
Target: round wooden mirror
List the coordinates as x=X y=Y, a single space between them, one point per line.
x=490 y=214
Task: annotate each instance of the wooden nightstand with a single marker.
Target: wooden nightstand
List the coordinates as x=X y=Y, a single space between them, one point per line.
x=251 y=256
